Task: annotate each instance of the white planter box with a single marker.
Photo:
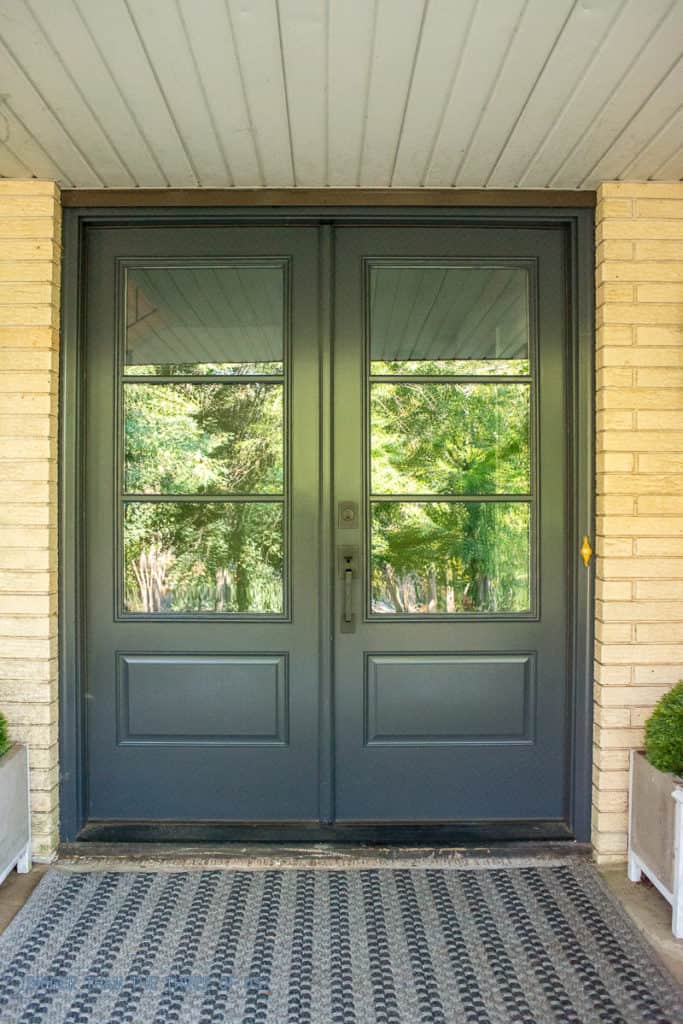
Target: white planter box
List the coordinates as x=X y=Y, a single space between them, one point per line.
x=655 y=832
x=15 y=812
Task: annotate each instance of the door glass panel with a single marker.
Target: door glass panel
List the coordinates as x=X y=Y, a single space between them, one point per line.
x=203 y=438
x=448 y=557
x=465 y=437
x=449 y=438
x=192 y=445
x=456 y=319
x=204 y=320
x=199 y=557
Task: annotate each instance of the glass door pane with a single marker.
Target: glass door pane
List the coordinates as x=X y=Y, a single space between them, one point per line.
x=203 y=475
x=450 y=407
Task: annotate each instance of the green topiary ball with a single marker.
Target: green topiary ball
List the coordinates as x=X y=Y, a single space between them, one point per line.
x=5 y=742
x=664 y=732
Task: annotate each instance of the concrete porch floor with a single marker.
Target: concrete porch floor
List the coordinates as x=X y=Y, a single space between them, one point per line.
x=647 y=908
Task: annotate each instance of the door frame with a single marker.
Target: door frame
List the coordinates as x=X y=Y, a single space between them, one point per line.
x=578 y=226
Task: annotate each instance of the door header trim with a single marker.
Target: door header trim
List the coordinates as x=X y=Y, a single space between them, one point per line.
x=326 y=197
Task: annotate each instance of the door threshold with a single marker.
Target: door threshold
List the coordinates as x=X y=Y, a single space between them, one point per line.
x=463 y=833
x=91 y=855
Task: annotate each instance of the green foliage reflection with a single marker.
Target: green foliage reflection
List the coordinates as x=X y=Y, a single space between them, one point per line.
x=203 y=439
x=463 y=367
x=439 y=557
x=450 y=438
x=203 y=557
x=134 y=369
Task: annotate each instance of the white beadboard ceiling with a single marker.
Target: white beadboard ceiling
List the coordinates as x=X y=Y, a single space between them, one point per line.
x=377 y=93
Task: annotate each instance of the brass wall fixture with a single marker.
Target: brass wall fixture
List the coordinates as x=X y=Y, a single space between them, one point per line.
x=586 y=551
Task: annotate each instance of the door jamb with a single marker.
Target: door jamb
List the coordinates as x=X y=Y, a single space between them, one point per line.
x=578 y=224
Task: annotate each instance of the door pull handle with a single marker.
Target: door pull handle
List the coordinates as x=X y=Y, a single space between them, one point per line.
x=348 y=571
x=348 y=596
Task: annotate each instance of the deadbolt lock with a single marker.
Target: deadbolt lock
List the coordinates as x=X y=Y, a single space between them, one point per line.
x=348 y=515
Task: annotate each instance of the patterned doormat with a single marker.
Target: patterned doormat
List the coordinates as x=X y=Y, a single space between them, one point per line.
x=533 y=944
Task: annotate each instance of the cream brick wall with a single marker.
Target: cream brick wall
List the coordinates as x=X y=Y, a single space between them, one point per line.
x=30 y=240
x=639 y=535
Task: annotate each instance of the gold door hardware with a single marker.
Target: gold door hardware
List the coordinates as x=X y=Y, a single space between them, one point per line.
x=586 y=551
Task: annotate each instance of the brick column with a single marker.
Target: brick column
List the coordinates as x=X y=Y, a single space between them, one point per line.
x=30 y=236
x=639 y=538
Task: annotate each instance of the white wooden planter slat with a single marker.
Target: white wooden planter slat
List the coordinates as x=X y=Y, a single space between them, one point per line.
x=655 y=833
x=15 y=812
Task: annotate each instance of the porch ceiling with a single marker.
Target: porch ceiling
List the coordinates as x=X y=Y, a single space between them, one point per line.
x=434 y=93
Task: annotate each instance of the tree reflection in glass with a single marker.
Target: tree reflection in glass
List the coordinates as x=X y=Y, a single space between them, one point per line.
x=203 y=438
x=450 y=438
x=194 y=557
x=445 y=557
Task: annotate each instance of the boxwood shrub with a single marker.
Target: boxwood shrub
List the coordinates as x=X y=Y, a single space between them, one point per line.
x=4 y=735
x=664 y=732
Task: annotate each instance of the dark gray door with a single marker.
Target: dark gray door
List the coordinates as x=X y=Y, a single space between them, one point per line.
x=202 y=520
x=451 y=692
x=216 y=689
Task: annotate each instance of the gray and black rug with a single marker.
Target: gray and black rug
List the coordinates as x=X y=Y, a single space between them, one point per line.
x=474 y=945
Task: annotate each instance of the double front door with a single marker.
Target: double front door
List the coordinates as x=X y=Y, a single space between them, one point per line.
x=326 y=540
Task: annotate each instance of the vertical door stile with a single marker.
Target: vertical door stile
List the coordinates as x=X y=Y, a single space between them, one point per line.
x=326 y=557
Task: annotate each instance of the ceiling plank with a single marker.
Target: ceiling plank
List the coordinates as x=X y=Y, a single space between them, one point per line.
x=303 y=24
x=444 y=38
x=78 y=51
x=211 y=39
x=620 y=46
x=491 y=33
x=257 y=39
x=28 y=150
x=672 y=168
x=352 y=27
x=396 y=42
x=532 y=46
x=43 y=74
x=30 y=108
x=10 y=165
x=577 y=47
x=658 y=120
x=118 y=39
x=657 y=56
x=175 y=68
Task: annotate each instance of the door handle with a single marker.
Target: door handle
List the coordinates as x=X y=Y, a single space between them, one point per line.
x=348 y=596
x=347 y=556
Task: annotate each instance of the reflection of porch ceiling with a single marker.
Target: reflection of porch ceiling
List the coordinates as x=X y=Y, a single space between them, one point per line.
x=435 y=93
x=223 y=314
x=180 y=314
x=449 y=313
